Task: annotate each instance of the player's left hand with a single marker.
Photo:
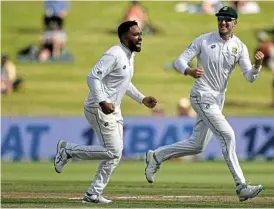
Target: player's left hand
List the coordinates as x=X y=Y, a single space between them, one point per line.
x=259 y=57
x=149 y=101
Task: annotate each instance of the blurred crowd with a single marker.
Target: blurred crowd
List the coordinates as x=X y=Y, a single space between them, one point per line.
x=212 y=6
x=52 y=44
x=140 y=14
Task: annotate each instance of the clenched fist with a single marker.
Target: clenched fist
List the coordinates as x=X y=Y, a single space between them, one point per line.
x=149 y=101
x=259 y=57
x=107 y=108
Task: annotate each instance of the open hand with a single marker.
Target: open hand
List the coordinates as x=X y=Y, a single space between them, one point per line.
x=196 y=72
x=259 y=57
x=149 y=101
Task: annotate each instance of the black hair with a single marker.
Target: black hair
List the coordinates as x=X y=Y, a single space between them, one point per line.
x=124 y=28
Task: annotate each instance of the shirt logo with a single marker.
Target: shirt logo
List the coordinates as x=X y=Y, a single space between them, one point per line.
x=234 y=50
x=213 y=46
x=207 y=106
x=124 y=67
x=99 y=72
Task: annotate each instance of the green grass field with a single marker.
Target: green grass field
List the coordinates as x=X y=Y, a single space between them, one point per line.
x=178 y=184
x=60 y=89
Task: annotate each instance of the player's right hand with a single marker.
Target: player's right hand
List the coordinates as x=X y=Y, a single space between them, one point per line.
x=196 y=72
x=107 y=108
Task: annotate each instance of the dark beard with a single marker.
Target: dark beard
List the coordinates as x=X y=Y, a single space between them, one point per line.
x=132 y=47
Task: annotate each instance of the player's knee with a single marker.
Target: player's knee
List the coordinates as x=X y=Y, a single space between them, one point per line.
x=116 y=152
x=196 y=147
x=198 y=150
x=230 y=135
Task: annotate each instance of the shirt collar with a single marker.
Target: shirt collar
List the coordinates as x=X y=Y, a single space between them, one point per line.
x=126 y=50
x=220 y=38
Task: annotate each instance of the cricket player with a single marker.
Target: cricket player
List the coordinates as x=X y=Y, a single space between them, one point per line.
x=217 y=53
x=108 y=81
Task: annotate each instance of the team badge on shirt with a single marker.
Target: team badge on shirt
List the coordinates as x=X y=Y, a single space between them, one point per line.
x=234 y=50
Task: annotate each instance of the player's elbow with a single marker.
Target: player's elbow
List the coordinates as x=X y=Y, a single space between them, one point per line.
x=180 y=64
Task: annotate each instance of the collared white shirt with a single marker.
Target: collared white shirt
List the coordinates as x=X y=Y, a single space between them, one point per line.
x=218 y=58
x=110 y=79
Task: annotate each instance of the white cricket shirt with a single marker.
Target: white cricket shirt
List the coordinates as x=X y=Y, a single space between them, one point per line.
x=110 y=79
x=218 y=58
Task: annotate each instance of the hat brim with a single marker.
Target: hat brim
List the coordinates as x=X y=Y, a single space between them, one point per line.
x=225 y=14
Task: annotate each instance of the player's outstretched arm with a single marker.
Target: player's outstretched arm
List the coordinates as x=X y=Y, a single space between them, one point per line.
x=250 y=72
x=134 y=93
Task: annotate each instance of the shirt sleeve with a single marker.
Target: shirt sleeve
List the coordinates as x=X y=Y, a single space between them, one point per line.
x=103 y=67
x=134 y=94
x=249 y=71
x=181 y=63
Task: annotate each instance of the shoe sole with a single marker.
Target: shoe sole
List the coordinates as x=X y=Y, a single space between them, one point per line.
x=246 y=198
x=146 y=168
x=57 y=150
x=90 y=202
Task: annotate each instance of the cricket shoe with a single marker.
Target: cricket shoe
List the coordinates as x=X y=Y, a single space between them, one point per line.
x=245 y=191
x=93 y=198
x=151 y=166
x=61 y=158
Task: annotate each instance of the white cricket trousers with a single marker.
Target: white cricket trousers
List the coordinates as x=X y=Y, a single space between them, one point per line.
x=109 y=130
x=210 y=120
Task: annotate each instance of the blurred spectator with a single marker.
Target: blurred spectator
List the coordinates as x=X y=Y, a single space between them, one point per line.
x=139 y=14
x=266 y=46
x=52 y=43
x=6 y=85
x=245 y=7
x=158 y=110
x=206 y=6
x=51 y=47
x=55 y=11
x=184 y=108
x=53 y=39
x=9 y=80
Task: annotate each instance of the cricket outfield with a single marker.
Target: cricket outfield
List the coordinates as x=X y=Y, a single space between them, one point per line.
x=178 y=184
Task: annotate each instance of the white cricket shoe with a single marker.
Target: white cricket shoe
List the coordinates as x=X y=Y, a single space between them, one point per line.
x=245 y=191
x=152 y=166
x=61 y=158
x=95 y=199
